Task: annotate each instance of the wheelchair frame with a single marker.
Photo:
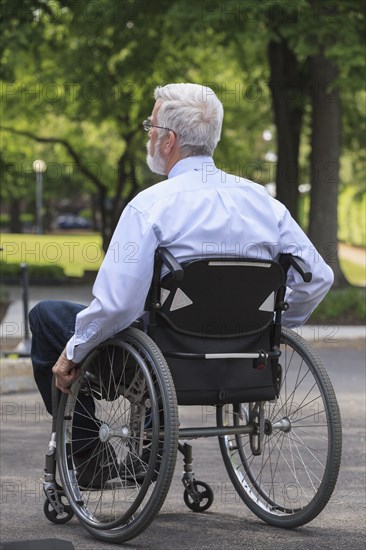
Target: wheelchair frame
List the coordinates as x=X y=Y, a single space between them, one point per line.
x=248 y=432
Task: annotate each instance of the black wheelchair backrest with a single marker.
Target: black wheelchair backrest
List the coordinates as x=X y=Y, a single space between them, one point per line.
x=214 y=319
x=221 y=297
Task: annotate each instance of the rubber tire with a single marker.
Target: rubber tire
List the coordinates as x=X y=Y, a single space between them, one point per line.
x=52 y=515
x=139 y=341
x=301 y=516
x=207 y=494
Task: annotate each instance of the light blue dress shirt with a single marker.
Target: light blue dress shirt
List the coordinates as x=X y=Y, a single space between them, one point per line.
x=198 y=211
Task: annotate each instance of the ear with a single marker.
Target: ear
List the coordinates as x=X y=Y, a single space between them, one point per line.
x=169 y=144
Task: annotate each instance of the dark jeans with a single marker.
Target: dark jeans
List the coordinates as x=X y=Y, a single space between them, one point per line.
x=52 y=324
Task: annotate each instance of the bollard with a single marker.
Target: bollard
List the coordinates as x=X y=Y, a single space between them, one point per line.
x=24 y=278
x=24 y=347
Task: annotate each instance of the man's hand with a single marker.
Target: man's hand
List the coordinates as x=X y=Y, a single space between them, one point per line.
x=66 y=372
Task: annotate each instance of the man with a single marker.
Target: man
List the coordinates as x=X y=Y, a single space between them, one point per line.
x=199 y=210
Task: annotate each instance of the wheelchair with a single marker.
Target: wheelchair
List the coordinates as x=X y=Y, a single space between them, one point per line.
x=213 y=337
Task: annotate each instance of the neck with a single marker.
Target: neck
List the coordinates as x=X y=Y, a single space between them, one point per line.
x=173 y=161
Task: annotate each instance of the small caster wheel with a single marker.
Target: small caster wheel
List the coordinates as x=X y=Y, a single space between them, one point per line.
x=199 y=500
x=53 y=516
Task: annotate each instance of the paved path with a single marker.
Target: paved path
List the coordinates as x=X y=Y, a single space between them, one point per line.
x=24 y=435
x=13 y=326
x=353 y=253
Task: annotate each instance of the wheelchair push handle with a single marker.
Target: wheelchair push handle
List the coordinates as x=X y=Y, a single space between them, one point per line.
x=171 y=263
x=287 y=260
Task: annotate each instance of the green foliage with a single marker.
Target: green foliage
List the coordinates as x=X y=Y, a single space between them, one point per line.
x=4 y=219
x=352 y=216
x=24 y=218
x=37 y=274
x=346 y=305
x=4 y=294
x=83 y=74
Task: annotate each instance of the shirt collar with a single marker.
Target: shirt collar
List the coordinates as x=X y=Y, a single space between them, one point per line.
x=191 y=163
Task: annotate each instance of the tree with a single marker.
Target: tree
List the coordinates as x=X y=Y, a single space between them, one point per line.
x=325 y=158
x=102 y=61
x=85 y=101
x=10 y=191
x=92 y=85
x=317 y=42
x=329 y=65
x=314 y=44
x=287 y=81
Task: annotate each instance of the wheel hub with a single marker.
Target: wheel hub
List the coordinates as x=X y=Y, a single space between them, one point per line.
x=284 y=425
x=268 y=427
x=104 y=433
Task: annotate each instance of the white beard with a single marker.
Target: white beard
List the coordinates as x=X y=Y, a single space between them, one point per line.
x=156 y=163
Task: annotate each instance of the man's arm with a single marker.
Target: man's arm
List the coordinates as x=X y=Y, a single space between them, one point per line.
x=121 y=286
x=302 y=297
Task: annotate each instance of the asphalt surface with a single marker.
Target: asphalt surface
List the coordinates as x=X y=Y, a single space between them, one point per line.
x=228 y=523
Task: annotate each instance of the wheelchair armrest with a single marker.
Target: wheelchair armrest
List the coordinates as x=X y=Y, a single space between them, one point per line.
x=287 y=260
x=171 y=263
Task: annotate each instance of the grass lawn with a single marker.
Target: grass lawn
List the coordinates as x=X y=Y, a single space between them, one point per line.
x=354 y=273
x=74 y=253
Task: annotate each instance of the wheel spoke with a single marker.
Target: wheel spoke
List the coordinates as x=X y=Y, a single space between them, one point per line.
x=113 y=476
x=292 y=479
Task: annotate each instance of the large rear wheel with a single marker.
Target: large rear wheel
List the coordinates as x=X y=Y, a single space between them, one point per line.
x=291 y=480
x=118 y=437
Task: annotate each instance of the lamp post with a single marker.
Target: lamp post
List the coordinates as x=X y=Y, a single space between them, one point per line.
x=39 y=166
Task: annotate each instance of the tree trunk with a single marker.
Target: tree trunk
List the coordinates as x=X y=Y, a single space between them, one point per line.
x=15 y=225
x=105 y=221
x=325 y=153
x=126 y=181
x=287 y=78
x=95 y=210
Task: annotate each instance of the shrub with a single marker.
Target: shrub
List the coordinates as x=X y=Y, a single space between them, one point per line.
x=10 y=273
x=344 y=305
x=351 y=216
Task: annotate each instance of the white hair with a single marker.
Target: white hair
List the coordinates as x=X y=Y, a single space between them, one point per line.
x=194 y=113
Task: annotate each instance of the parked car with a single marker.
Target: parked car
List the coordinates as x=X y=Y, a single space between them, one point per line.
x=71 y=221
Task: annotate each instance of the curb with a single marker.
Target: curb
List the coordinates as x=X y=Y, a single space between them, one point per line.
x=331 y=333
x=16 y=375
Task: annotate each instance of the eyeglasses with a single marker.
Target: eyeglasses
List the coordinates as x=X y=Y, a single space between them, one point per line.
x=147 y=125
